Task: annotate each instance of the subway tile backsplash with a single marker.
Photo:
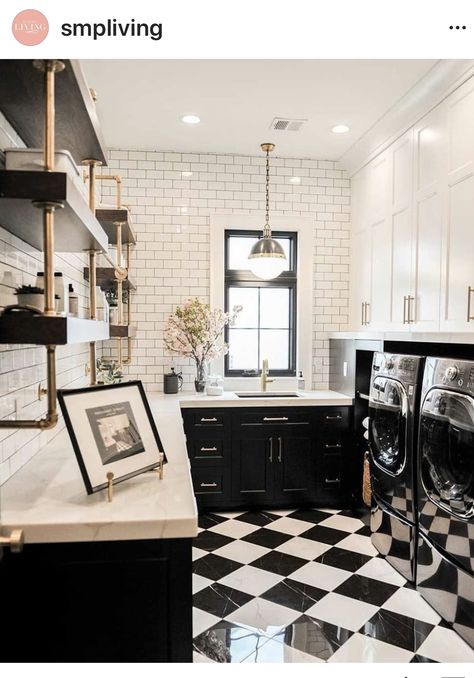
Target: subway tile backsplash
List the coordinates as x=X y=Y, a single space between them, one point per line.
x=23 y=368
x=171 y=261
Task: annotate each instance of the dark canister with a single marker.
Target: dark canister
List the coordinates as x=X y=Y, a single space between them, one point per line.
x=172 y=382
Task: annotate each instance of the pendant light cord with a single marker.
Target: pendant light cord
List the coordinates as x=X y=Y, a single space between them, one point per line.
x=267 y=232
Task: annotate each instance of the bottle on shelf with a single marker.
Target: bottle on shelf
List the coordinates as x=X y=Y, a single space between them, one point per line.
x=73 y=302
x=62 y=298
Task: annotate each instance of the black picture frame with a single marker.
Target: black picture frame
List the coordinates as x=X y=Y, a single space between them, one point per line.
x=134 y=447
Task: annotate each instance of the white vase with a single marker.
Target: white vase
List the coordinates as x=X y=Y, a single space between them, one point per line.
x=35 y=300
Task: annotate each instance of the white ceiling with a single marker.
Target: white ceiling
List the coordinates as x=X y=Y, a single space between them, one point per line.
x=140 y=102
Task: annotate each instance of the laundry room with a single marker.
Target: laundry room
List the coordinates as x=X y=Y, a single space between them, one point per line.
x=236 y=358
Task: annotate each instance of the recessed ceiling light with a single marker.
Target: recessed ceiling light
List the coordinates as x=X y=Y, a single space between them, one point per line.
x=340 y=129
x=294 y=180
x=186 y=174
x=190 y=119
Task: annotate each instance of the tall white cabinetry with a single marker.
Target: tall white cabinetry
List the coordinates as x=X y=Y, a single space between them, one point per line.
x=413 y=226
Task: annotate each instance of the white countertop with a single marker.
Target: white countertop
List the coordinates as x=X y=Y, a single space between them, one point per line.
x=230 y=399
x=48 y=501
x=429 y=337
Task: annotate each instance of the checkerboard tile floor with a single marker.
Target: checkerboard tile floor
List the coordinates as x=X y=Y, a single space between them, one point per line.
x=307 y=586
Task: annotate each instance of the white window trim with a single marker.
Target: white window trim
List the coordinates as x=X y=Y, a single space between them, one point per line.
x=303 y=226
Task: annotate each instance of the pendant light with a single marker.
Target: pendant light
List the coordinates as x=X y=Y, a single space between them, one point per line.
x=267 y=258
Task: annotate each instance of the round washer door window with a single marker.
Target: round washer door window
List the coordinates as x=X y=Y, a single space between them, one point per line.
x=447 y=451
x=387 y=431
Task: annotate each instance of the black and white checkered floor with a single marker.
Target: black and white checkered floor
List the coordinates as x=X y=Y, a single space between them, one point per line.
x=307 y=586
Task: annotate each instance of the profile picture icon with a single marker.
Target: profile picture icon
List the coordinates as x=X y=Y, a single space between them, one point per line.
x=30 y=27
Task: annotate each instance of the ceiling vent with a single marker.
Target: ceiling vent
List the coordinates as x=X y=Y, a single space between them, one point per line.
x=286 y=124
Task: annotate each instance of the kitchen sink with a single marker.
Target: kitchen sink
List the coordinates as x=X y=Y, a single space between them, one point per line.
x=267 y=394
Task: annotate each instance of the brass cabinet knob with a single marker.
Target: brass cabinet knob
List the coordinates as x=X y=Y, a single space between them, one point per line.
x=15 y=541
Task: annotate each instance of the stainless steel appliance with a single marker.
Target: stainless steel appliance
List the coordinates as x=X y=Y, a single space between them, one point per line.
x=445 y=575
x=393 y=405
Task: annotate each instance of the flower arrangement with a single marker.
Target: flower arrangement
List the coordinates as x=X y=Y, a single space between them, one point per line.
x=195 y=331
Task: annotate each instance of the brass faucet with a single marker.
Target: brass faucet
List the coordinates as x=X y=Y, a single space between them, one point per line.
x=264 y=380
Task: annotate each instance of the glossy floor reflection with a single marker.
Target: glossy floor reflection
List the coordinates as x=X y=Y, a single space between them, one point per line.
x=307 y=586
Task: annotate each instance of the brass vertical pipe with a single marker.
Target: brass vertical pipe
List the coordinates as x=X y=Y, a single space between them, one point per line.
x=92 y=313
x=48 y=209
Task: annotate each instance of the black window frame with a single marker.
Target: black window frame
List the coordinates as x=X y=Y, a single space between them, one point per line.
x=245 y=278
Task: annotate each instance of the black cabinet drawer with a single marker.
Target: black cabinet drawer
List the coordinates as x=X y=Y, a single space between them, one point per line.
x=210 y=481
x=212 y=450
x=273 y=417
x=211 y=419
x=333 y=419
x=331 y=471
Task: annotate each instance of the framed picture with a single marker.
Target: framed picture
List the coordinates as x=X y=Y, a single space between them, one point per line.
x=112 y=430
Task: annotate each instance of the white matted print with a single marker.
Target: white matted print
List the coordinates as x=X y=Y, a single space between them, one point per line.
x=112 y=430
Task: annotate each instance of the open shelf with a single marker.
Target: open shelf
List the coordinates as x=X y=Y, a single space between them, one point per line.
x=106 y=279
x=27 y=328
x=107 y=218
x=77 y=124
x=75 y=227
x=122 y=331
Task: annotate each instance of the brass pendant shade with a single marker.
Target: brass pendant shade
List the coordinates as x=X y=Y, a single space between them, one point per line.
x=267 y=258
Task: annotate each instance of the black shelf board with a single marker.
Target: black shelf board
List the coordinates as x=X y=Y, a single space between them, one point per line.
x=122 y=331
x=108 y=216
x=106 y=278
x=76 y=228
x=22 y=103
x=28 y=328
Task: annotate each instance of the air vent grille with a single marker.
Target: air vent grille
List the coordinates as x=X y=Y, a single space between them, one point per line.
x=286 y=124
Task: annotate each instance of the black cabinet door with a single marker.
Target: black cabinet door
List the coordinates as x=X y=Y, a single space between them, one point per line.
x=252 y=469
x=295 y=468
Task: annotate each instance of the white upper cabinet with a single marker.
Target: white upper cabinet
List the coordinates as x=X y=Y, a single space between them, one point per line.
x=457 y=302
x=401 y=263
x=429 y=206
x=414 y=205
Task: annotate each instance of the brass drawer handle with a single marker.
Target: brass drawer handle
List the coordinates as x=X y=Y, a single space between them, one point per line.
x=275 y=418
x=15 y=541
x=279 y=448
x=332 y=481
x=208 y=419
x=208 y=449
x=270 y=458
x=336 y=446
x=208 y=485
x=333 y=417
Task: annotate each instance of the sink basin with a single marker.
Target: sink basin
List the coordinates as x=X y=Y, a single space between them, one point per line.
x=267 y=394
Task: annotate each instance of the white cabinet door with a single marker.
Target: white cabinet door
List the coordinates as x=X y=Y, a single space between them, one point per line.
x=361 y=279
x=457 y=299
x=430 y=201
x=381 y=278
x=401 y=264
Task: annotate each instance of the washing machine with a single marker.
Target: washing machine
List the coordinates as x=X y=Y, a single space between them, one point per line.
x=393 y=409
x=445 y=576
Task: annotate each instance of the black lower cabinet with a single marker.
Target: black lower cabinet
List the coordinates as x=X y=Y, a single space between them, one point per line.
x=128 y=601
x=270 y=457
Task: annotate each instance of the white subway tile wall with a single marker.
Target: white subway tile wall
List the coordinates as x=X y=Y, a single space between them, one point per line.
x=23 y=368
x=171 y=211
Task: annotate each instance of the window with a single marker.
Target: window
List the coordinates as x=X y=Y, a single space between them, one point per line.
x=266 y=327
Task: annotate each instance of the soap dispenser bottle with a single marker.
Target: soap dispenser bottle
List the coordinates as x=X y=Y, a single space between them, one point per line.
x=301 y=383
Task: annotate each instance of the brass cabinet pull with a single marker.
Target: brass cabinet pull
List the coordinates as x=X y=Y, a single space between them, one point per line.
x=208 y=419
x=208 y=484
x=270 y=458
x=15 y=541
x=336 y=446
x=367 y=306
x=208 y=449
x=469 y=292
x=333 y=417
x=405 y=319
x=332 y=481
x=279 y=448
x=275 y=418
x=362 y=320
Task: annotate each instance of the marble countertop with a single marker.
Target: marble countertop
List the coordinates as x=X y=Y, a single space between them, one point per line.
x=230 y=399
x=48 y=501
